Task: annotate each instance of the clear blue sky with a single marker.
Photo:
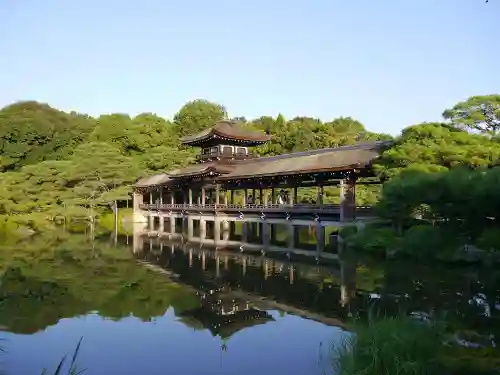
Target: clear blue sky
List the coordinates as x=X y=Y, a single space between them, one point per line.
x=387 y=63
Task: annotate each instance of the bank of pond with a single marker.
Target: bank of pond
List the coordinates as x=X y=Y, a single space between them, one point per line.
x=236 y=312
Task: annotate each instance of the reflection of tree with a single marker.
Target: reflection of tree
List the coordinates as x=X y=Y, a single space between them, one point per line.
x=52 y=277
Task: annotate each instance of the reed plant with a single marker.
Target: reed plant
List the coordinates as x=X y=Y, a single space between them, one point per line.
x=390 y=346
x=72 y=369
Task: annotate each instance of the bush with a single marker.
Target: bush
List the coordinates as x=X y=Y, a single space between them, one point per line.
x=391 y=346
x=374 y=240
x=489 y=240
x=422 y=241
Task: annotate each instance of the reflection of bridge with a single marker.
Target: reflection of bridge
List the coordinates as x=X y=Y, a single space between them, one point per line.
x=268 y=284
x=251 y=234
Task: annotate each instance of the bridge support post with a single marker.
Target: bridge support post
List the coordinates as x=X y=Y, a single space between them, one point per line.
x=348 y=199
x=203 y=229
x=162 y=223
x=272 y=228
x=138 y=216
x=189 y=227
x=217 y=230
x=244 y=232
x=290 y=238
x=225 y=230
x=172 y=224
x=265 y=233
x=320 y=239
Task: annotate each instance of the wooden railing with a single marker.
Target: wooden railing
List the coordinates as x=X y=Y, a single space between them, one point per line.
x=221 y=156
x=303 y=207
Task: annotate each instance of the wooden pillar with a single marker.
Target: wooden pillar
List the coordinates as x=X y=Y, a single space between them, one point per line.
x=190 y=196
x=217 y=194
x=261 y=198
x=273 y=196
x=265 y=197
x=225 y=230
x=225 y=198
x=245 y=197
x=162 y=223
x=138 y=200
x=244 y=232
x=348 y=199
x=265 y=233
x=172 y=197
x=203 y=196
x=172 y=224
x=342 y=198
x=190 y=228
x=319 y=199
x=161 y=194
x=203 y=229
x=216 y=230
x=290 y=238
x=150 y=197
x=320 y=238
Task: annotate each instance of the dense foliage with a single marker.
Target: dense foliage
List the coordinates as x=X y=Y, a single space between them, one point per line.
x=55 y=163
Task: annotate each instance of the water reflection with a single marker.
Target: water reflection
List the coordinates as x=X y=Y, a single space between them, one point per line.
x=57 y=288
x=234 y=312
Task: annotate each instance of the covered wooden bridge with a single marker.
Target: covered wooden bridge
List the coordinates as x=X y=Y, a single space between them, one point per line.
x=229 y=179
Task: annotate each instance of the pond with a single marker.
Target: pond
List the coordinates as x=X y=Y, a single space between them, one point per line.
x=177 y=309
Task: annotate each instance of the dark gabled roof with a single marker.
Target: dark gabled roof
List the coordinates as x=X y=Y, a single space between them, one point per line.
x=322 y=160
x=229 y=131
x=344 y=158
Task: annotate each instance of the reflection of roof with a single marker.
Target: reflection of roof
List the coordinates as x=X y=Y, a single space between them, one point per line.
x=228 y=131
x=156 y=179
x=227 y=325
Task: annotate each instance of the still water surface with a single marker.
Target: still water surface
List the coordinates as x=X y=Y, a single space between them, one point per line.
x=171 y=309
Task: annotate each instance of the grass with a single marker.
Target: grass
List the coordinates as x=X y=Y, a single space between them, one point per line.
x=391 y=346
x=72 y=370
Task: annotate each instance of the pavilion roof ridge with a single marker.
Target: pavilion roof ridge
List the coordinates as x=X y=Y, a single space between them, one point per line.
x=228 y=128
x=357 y=146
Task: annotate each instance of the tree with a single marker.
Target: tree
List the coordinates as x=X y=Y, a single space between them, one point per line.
x=198 y=115
x=478 y=113
x=31 y=132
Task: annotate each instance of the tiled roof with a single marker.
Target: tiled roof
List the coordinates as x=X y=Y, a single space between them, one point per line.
x=203 y=168
x=322 y=160
x=230 y=130
x=157 y=179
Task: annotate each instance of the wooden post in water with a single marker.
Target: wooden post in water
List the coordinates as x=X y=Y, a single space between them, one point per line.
x=115 y=209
